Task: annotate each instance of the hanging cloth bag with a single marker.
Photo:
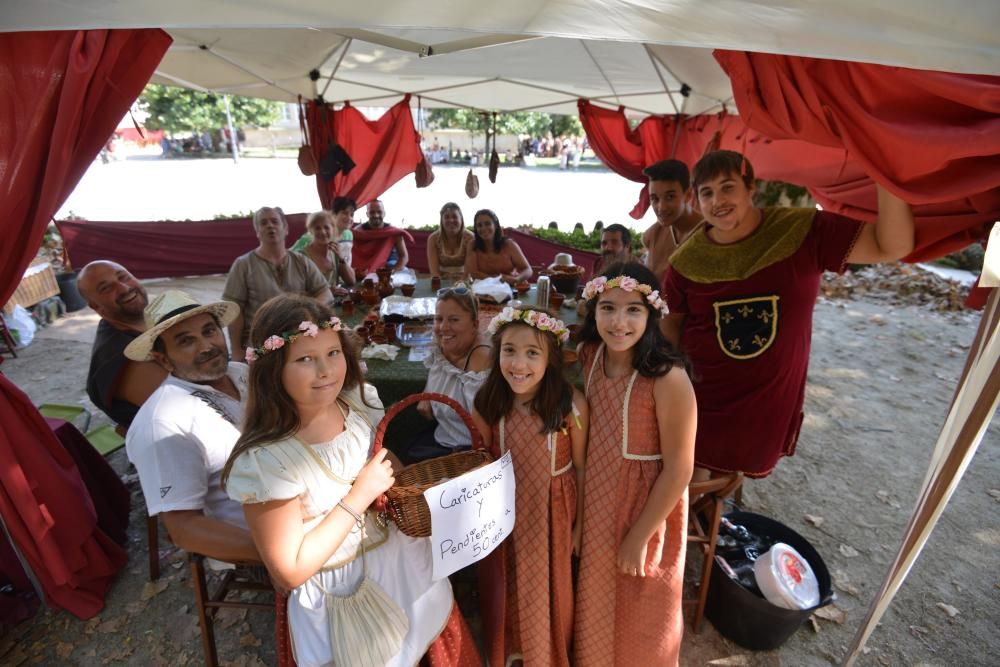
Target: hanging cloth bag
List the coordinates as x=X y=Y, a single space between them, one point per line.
x=367 y=627
x=307 y=161
x=494 y=158
x=423 y=174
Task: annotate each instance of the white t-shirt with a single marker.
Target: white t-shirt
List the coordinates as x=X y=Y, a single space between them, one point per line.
x=179 y=442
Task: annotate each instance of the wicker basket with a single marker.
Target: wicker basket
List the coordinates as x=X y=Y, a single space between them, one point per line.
x=38 y=284
x=405 y=502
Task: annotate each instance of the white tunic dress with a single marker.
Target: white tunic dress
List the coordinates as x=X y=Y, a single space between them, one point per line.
x=399 y=564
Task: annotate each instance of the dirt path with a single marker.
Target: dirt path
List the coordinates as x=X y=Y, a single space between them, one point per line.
x=880 y=382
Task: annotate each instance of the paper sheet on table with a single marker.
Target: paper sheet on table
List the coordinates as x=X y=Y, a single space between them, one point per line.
x=404 y=277
x=418 y=354
x=380 y=351
x=494 y=287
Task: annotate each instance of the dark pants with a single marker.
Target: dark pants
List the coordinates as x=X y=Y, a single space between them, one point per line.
x=422 y=447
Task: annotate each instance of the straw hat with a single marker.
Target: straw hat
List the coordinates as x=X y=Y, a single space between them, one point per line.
x=168 y=309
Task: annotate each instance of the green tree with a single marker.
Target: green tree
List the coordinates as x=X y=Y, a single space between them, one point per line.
x=533 y=123
x=180 y=110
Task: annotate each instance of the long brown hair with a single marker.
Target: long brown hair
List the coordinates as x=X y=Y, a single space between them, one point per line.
x=554 y=398
x=270 y=413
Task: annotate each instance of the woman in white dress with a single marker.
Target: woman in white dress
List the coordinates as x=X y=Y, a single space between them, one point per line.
x=360 y=593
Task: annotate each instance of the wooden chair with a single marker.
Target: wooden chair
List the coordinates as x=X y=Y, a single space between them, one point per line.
x=7 y=344
x=243 y=577
x=705 y=504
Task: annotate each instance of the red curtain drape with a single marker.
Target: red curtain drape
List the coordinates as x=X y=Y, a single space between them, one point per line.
x=933 y=138
x=64 y=94
x=383 y=150
x=831 y=126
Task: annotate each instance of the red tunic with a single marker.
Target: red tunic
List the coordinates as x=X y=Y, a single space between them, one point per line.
x=748 y=341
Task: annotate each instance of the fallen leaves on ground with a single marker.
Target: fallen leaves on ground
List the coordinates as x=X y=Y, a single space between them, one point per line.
x=898 y=284
x=228 y=617
x=886 y=498
x=249 y=640
x=153 y=588
x=111 y=625
x=814 y=520
x=995 y=494
x=948 y=609
x=63 y=649
x=847 y=551
x=843 y=583
x=831 y=612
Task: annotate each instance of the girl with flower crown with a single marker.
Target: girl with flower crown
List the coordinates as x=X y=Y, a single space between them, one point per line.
x=361 y=592
x=527 y=407
x=639 y=463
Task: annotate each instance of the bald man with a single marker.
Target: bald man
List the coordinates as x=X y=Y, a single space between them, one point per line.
x=116 y=385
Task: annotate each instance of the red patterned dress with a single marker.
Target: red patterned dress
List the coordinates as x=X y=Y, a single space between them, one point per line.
x=526 y=584
x=625 y=620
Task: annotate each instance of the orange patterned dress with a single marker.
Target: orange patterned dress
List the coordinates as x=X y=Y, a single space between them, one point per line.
x=526 y=585
x=625 y=620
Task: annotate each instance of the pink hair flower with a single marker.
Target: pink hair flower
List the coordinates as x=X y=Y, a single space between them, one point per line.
x=308 y=329
x=628 y=283
x=274 y=343
x=336 y=324
x=251 y=355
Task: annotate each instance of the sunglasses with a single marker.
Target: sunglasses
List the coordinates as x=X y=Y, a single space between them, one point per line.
x=460 y=289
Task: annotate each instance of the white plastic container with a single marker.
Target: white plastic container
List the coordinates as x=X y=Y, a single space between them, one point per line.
x=786 y=579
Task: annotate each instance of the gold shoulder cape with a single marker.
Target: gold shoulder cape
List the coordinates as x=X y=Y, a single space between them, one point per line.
x=781 y=232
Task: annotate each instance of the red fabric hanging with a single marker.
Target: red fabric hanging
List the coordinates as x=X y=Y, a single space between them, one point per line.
x=384 y=150
x=830 y=126
x=933 y=138
x=64 y=95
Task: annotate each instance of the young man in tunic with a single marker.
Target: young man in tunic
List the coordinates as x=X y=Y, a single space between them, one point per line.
x=741 y=292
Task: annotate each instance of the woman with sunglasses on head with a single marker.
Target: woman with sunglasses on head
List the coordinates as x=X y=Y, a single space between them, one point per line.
x=492 y=253
x=447 y=247
x=458 y=365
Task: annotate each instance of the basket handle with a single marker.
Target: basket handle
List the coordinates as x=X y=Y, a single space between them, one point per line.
x=382 y=502
x=396 y=408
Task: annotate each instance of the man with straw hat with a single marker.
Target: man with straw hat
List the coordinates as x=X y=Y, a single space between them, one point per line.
x=182 y=435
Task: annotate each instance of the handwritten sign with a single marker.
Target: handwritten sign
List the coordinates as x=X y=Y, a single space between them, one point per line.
x=470 y=515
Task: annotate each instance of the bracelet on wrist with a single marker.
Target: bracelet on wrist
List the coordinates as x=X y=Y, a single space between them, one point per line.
x=357 y=517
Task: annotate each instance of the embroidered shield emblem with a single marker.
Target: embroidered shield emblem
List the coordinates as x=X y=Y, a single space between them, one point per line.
x=745 y=328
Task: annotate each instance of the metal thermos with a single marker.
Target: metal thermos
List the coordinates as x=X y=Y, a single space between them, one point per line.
x=543 y=287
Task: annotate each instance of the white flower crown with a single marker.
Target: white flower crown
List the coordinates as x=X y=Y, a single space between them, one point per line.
x=540 y=321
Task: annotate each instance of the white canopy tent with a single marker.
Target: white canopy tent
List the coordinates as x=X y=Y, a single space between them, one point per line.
x=523 y=54
x=653 y=57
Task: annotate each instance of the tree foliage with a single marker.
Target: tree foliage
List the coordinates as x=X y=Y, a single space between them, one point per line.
x=531 y=123
x=180 y=110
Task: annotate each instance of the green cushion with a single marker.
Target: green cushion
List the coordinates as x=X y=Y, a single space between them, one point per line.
x=58 y=411
x=105 y=440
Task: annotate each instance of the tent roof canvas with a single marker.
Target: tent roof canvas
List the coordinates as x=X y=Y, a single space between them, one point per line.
x=524 y=54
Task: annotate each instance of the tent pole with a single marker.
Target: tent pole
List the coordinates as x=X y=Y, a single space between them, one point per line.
x=234 y=140
x=956 y=445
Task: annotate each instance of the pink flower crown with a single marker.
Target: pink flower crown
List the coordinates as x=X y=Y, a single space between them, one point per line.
x=278 y=341
x=629 y=284
x=540 y=321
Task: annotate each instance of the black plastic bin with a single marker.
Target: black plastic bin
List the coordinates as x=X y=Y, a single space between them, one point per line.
x=69 y=292
x=748 y=619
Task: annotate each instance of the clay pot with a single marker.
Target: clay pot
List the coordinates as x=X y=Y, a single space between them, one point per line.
x=346 y=307
x=556 y=300
x=408 y=289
